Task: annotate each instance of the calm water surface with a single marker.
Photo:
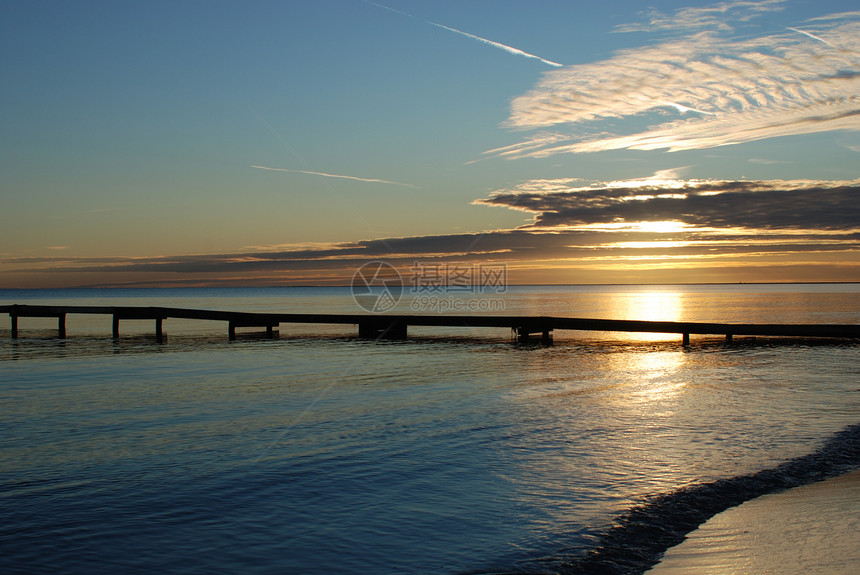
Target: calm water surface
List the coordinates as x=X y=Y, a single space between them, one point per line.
x=451 y=452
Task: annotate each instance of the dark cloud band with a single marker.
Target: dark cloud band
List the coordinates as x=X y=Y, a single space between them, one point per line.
x=726 y=204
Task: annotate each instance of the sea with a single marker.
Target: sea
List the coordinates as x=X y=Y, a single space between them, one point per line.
x=454 y=451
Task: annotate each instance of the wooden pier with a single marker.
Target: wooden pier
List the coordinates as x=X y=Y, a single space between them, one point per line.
x=384 y=326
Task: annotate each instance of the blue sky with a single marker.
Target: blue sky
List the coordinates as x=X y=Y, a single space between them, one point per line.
x=135 y=137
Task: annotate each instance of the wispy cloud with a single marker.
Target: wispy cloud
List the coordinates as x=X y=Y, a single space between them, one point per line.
x=339 y=176
x=767 y=161
x=728 y=90
x=837 y=16
x=682 y=108
x=499 y=45
x=721 y=16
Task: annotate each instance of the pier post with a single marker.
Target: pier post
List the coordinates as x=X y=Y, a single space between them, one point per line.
x=524 y=334
x=382 y=329
x=685 y=341
x=729 y=338
x=159 y=329
x=366 y=330
x=14 y=317
x=115 y=329
x=271 y=329
x=61 y=326
x=395 y=330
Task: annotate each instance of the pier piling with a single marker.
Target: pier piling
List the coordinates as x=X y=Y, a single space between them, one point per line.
x=15 y=313
x=524 y=333
x=382 y=328
x=271 y=328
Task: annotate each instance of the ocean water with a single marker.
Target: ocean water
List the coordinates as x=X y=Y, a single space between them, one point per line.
x=454 y=451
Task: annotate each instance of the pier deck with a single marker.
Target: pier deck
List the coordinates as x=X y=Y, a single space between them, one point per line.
x=384 y=326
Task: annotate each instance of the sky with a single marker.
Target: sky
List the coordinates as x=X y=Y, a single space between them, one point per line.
x=208 y=143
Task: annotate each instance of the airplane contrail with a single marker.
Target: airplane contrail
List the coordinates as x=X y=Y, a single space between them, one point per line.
x=813 y=36
x=505 y=47
x=326 y=175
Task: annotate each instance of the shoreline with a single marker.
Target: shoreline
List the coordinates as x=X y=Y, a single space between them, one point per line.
x=813 y=528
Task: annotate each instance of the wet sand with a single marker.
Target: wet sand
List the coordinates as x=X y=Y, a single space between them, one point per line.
x=814 y=529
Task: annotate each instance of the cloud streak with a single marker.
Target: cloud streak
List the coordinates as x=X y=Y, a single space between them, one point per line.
x=338 y=176
x=505 y=47
x=499 y=45
x=783 y=231
x=805 y=33
x=524 y=246
x=702 y=90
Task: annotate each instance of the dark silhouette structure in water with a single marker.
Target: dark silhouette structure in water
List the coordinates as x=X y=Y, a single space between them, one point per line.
x=385 y=326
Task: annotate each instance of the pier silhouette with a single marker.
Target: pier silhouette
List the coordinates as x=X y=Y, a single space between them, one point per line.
x=392 y=326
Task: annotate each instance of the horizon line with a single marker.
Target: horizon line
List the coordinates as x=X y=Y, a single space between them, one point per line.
x=269 y=286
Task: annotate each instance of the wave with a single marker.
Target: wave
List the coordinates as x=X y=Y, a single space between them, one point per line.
x=636 y=540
